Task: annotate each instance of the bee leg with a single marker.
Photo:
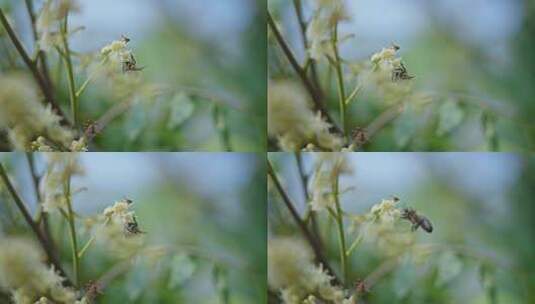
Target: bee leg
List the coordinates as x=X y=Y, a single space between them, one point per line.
x=415 y=227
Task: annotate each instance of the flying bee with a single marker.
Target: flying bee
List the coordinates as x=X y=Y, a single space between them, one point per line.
x=417 y=220
x=400 y=73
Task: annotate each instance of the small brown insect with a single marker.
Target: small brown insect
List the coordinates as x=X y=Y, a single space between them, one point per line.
x=361 y=287
x=417 y=220
x=400 y=73
x=359 y=136
x=92 y=290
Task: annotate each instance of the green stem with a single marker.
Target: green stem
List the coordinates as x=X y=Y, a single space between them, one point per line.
x=220 y=121
x=86 y=246
x=338 y=215
x=70 y=74
x=72 y=230
x=90 y=241
x=340 y=79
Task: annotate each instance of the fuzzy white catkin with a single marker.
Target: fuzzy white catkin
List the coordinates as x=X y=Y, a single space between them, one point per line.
x=292 y=121
x=60 y=167
x=24 y=274
x=25 y=117
x=292 y=272
x=327 y=167
x=327 y=14
x=112 y=233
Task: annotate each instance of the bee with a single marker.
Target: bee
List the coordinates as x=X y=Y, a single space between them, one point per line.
x=129 y=65
x=417 y=220
x=125 y=39
x=400 y=73
x=132 y=227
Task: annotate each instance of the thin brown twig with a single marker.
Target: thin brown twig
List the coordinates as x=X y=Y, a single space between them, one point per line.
x=43 y=215
x=383 y=119
x=316 y=99
x=33 y=68
x=318 y=253
x=28 y=218
x=41 y=55
x=111 y=114
x=304 y=183
x=298 y=6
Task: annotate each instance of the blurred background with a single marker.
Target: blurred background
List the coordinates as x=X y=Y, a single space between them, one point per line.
x=478 y=53
x=480 y=202
x=216 y=47
x=211 y=202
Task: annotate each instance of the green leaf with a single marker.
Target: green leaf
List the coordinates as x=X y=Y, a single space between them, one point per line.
x=488 y=281
x=488 y=123
x=183 y=267
x=450 y=115
x=405 y=126
x=181 y=108
x=135 y=121
x=404 y=279
x=137 y=280
x=449 y=266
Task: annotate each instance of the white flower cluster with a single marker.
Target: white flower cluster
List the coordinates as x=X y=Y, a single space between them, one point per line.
x=117 y=51
x=119 y=231
x=378 y=227
x=385 y=211
x=120 y=212
x=61 y=166
x=292 y=272
x=292 y=121
x=327 y=14
x=381 y=76
x=47 y=23
x=26 y=118
x=328 y=167
x=27 y=277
